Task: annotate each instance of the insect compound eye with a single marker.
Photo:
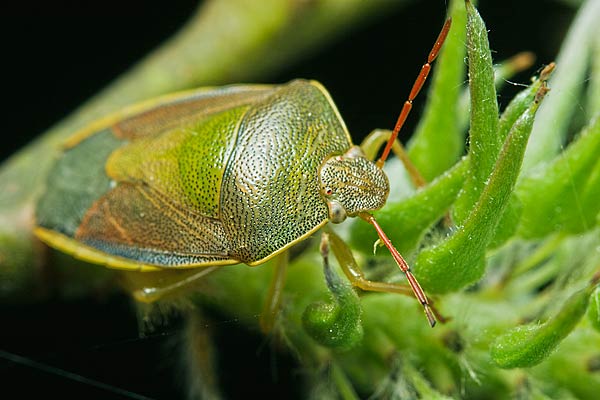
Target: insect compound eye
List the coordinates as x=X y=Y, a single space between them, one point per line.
x=337 y=213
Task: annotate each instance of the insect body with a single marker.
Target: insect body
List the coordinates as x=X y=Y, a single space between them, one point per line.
x=238 y=181
x=214 y=177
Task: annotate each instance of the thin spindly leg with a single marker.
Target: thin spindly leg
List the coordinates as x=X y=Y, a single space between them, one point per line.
x=377 y=139
x=148 y=287
x=273 y=300
x=357 y=278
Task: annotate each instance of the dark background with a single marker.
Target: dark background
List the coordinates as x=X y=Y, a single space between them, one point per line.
x=55 y=54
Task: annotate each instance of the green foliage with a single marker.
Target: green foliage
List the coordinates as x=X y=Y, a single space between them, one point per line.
x=525 y=239
x=562 y=196
x=552 y=129
x=484 y=143
x=408 y=220
x=528 y=345
x=459 y=260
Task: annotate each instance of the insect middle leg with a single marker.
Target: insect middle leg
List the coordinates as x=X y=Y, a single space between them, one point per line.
x=357 y=278
x=353 y=272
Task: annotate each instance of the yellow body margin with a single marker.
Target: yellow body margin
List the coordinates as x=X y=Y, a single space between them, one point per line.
x=89 y=254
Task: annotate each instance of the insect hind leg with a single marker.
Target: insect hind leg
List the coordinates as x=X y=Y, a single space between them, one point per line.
x=272 y=304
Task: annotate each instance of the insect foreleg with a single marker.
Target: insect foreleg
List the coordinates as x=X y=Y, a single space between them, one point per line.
x=375 y=140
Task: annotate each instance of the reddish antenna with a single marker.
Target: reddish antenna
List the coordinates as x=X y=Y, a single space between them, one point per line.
x=421 y=78
x=419 y=81
x=412 y=281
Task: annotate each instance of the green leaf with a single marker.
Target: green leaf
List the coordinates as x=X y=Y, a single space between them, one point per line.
x=563 y=195
x=594 y=309
x=439 y=127
x=503 y=73
x=508 y=222
x=517 y=106
x=512 y=215
x=528 y=345
x=484 y=142
x=572 y=369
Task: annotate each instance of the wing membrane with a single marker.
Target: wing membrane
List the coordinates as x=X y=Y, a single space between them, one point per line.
x=137 y=222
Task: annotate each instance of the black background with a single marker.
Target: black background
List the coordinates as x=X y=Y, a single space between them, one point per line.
x=55 y=54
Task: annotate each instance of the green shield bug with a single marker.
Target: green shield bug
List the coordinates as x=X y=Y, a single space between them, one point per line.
x=218 y=176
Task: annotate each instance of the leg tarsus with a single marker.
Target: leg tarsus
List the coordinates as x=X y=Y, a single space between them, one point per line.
x=438 y=316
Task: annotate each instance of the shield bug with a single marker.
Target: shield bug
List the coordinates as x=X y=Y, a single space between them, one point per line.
x=211 y=177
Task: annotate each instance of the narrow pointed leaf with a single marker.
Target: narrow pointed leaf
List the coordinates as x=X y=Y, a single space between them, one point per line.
x=484 y=144
x=528 y=345
x=511 y=217
x=517 y=106
x=503 y=73
x=459 y=260
x=439 y=142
